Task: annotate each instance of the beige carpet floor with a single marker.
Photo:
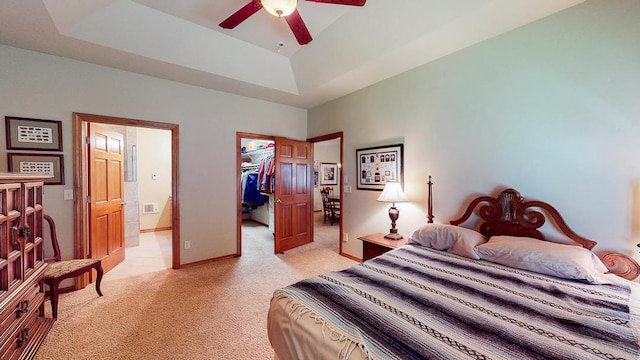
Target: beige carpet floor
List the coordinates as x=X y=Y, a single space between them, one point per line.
x=211 y=311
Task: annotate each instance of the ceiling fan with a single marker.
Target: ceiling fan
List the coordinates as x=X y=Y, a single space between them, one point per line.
x=282 y=8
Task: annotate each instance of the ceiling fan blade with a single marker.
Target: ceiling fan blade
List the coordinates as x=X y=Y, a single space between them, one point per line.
x=241 y=15
x=298 y=27
x=342 y=2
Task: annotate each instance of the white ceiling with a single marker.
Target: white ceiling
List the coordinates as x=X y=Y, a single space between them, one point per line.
x=180 y=40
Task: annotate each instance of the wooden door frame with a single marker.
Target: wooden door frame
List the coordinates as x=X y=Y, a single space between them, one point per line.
x=80 y=186
x=239 y=136
x=333 y=136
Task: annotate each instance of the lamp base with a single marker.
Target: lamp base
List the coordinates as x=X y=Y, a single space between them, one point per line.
x=393 y=236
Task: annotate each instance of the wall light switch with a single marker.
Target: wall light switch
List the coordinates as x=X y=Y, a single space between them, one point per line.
x=68 y=195
x=154 y=177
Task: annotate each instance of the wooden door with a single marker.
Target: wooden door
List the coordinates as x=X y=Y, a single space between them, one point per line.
x=106 y=192
x=293 y=196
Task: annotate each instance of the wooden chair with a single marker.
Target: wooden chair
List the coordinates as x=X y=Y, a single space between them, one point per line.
x=329 y=190
x=330 y=208
x=58 y=270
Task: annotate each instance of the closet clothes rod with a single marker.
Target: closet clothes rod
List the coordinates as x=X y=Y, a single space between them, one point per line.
x=250 y=167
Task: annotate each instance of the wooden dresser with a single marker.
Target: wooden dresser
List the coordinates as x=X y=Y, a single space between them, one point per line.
x=23 y=326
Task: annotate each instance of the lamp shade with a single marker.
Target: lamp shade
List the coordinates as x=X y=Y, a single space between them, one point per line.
x=392 y=193
x=279 y=7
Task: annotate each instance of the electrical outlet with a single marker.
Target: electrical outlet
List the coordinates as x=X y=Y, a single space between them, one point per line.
x=187 y=244
x=345 y=237
x=347 y=189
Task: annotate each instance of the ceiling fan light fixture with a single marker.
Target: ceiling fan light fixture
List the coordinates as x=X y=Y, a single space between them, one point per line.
x=279 y=8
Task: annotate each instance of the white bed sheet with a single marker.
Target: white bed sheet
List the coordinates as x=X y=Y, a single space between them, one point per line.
x=299 y=335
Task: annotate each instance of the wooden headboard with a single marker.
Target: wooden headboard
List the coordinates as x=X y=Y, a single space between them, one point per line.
x=510 y=214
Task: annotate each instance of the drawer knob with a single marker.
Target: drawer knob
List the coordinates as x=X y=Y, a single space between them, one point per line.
x=24 y=337
x=23 y=309
x=24 y=232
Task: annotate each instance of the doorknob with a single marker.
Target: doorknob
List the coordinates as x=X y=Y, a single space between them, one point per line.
x=279 y=201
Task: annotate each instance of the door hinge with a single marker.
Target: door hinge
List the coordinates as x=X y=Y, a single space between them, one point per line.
x=89 y=199
x=87 y=140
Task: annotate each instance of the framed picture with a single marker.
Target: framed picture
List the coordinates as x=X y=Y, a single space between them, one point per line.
x=46 y=164
x=379 y=165
x=328 y=174
x=33 y=134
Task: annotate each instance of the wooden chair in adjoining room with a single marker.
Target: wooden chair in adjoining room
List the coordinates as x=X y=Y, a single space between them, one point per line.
x=329 y=190
x=58 y=270
x=330 y=208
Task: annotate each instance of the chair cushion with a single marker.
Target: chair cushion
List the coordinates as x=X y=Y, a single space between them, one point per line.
x=60 y=268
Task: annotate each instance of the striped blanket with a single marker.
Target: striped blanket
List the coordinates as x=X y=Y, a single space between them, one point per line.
x=419 y=303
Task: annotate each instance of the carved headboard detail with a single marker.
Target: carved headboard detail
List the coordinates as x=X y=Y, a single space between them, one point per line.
x=510 y=214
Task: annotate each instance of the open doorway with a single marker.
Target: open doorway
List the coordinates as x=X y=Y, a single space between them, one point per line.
x=82 y=190
x=288 y=181
x=327 y=155
x=147 y=184
x=256 y=220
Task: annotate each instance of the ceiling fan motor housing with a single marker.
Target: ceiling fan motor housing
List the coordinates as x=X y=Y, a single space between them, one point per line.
x=282 y=8
x=279 y=7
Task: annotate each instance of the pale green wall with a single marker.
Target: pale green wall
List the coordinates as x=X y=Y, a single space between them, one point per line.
x=551 y=109
x=41 y=86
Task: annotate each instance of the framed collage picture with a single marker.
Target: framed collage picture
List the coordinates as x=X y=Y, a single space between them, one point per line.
x=33 y=134
x=47 y=164
x=37 y=138
x=379 y=165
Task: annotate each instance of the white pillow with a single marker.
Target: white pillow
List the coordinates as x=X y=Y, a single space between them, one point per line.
x=454 y=239
x=560 y=260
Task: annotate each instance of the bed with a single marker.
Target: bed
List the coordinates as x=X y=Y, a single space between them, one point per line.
x=502 y=291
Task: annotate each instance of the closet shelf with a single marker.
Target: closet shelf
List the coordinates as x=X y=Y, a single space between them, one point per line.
x=258 y=155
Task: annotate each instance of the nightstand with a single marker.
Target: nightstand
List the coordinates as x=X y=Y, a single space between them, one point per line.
x=376 y=244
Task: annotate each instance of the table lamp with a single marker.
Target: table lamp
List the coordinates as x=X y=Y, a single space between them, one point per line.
x=393 y=193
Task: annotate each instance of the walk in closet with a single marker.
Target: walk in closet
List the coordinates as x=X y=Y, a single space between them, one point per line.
x=258 y=182
x=275 y=196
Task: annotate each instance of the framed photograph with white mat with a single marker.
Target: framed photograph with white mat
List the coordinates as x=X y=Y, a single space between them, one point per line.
x=45 y=164
x=328 y=174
